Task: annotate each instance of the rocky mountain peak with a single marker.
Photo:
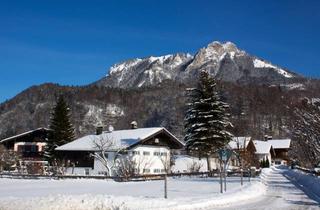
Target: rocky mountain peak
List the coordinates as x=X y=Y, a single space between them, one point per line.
x=221 y=59
x=222 y=47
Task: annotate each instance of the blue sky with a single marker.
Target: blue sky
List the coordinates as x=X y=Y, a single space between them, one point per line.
x=75 y=42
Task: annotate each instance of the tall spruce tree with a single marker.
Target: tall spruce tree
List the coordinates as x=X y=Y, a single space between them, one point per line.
x=206 y=119
x=62 y=131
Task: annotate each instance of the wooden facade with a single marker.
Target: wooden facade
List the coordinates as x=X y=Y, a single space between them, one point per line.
x=29 y=145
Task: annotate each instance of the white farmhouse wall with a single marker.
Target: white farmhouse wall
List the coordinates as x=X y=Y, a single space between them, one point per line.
x=264 y=157
x=183 y=164
x=151 y=159
x=80 y=171
x=98 y=167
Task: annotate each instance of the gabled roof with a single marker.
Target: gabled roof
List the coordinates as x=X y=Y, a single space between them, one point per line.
x=23 y=134
x=239 y=143
x=280 y=143
x=121 y=139
x=262 y=147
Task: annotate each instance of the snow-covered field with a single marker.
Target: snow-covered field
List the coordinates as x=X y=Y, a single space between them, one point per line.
x=277 y=189
x=183 y=193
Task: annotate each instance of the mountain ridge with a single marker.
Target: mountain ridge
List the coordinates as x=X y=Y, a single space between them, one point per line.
x=151 y=91
x=222 y=60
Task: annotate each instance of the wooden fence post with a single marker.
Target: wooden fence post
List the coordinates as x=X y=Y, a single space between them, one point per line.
x=165 y=186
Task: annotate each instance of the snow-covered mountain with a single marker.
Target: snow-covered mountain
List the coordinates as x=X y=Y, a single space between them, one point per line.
x=222 y=60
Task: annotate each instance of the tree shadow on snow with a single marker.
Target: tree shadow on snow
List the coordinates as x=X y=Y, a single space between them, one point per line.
x=309 y=194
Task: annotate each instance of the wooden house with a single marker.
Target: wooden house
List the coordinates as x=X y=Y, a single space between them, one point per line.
x=281 y=148
x=264 y=151
x=30 y=145
x=245 y=152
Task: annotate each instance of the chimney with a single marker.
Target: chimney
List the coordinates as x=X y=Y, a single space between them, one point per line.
x=99 y=130
x=134 y=125
x=110 y=128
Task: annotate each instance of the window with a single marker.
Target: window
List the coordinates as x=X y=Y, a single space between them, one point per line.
x=20 y=148
x=135 y=152
x=34 y=148
x=87 y=171
x=156 y=153
x=163 y=171
x=28 y=148
x=277 y=162
x=163 y=154
x=156 y=170
x=146 y=153
x=146 y=170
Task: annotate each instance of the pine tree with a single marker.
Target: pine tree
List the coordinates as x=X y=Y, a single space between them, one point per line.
x=62 y=131
x=267 y=165
x=263 y=163
x=206 y=119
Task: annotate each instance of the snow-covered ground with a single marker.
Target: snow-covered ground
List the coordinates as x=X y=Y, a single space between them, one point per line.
x=183 y=193
x=278 y=188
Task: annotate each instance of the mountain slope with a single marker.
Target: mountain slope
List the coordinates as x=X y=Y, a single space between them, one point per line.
x=222 y=60
x=151 y=91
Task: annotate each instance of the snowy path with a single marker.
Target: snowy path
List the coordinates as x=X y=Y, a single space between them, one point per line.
x=282 y=193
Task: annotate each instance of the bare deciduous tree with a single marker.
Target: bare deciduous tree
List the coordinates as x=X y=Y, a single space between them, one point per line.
x=103 y=145
x=166 y=162
x=194 y=166
x=8 y=158
x=121 y=162
x=306 y=130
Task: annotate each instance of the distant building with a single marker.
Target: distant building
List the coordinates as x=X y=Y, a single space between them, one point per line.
x=264 y=150
x=243 y=148
x=281 y=148
x=149 y=147
x=252 y=152
x=30 y=145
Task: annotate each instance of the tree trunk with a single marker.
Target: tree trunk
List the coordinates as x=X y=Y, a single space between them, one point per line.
x=221 y=184
x=241 y=175
x=225 y=176
x=208 y=164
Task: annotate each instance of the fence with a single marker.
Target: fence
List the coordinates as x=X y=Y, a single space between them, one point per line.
x=309 y=171
x=131 y=178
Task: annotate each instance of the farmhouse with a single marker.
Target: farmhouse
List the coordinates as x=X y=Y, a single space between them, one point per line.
x=264 y=150
x=29 y=145
x=244 y=150
x=149 y=148
x=281 y=148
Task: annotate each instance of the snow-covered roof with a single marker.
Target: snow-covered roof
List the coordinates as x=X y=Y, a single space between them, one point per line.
x=280 y=143
x=262 y=147
x=239 y=142
x=23 y=134
x=120 y=139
